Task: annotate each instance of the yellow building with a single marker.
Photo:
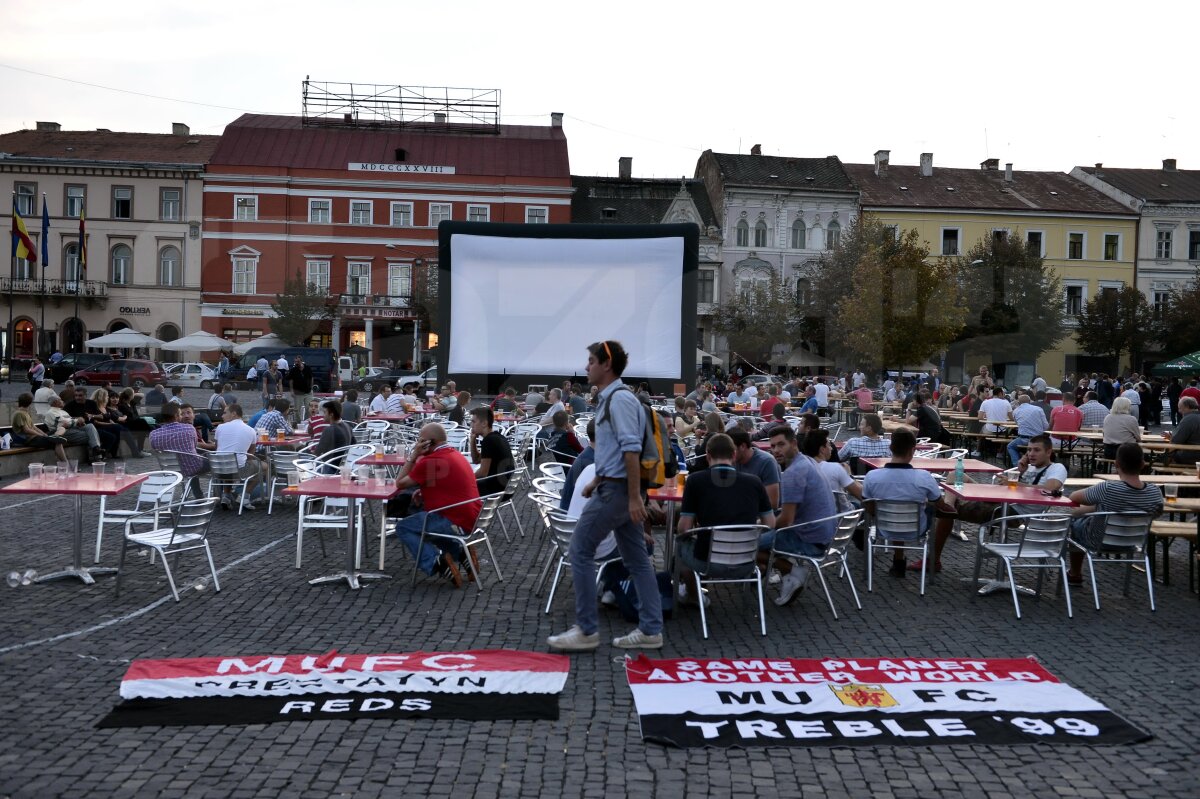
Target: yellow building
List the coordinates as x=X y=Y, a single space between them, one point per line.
x=1088 y=239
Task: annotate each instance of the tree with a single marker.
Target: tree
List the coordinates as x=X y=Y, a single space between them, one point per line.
x=1116 y=321
x=880 y=299
x=763 y=314
x=299 y=310
x=1178 y=330
x=1014 y=302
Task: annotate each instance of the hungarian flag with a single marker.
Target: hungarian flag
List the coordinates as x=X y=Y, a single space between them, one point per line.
x=22 y=245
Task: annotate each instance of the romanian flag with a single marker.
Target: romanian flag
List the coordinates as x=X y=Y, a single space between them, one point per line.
x=22 y=245
x=82 y=244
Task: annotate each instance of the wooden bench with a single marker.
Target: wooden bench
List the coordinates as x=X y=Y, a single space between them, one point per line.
x=1168 y=532
x=15 y=461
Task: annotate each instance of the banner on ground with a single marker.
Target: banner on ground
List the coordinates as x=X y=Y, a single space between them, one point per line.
x=479 y=685
x=865 y=702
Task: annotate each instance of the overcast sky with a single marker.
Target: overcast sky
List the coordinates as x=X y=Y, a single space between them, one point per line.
x=1046 y=85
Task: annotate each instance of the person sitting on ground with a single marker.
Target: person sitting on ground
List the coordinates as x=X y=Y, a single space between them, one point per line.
x=25 y=434
x=351 y=412
x=457 y=414
x=718 y=495
x=234 y=435
x=898 y=481
x=1129 y=494
x=445 y=480
x=804 y=525
x=335 y=433
x=1120 y=427
x=491 y=452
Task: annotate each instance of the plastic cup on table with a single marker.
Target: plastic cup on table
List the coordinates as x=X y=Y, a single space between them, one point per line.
x=1171 y=490
x=35 y=472
x=49 y=473
x=72 y=469
x=345 y=475
x=1012 y=482
x=293 y=479
x=98 y=470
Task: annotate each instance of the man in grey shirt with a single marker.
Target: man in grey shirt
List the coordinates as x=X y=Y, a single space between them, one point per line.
x=1187 y=431
x=749 y=459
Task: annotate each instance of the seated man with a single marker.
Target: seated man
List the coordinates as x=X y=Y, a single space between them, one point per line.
x=562 y=442
x=809 y=423
x=547 y=420
x=1031 y=421
x=738 y=396
x=315 y=422
x=716 y=496
x=490 y=450
x=869 y=444
x=74 y=431
x=752 y=460
x=274 y=418
x=994 y=410
x=234 y=435
x=810 y=401
x=898 y=481
x=156 y=396
x=1066 y=418
x=443 y=478
x=448 y=400
x=42 y=397
x=335 y=433
x=806 y=501
x=1129 y=494
x=778 y=411
x=1187 y=431
x=177 y=434
x=1093 y=410
x=506 y=402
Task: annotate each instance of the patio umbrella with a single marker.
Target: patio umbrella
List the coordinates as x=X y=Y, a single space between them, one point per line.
x=200 y=341
x=1183 y=365
x=358 y=349
x=802 y=357
x=701 y=355
x=125 y=339
x=269 y=340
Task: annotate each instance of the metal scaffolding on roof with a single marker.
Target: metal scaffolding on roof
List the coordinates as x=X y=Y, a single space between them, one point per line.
x=431 y=108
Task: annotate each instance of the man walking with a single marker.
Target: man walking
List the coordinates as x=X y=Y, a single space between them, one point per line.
x=302 y=382
x=616 y=505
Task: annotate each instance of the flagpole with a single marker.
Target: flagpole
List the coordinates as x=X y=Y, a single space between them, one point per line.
x=42 y=325
x=12 y=275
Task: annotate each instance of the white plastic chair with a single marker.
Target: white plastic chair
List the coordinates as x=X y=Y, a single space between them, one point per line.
x=156 y=491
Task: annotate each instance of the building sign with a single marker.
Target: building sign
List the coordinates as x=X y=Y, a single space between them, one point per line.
x=129 y=310
x=243 y=312
x=425 y=169
x=377 y=312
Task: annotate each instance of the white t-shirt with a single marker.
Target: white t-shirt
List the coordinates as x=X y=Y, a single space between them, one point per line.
x=548 y=416
x=378 y=403
x=282 y=364
x=822 y=391
x=751 y=390
x=995 y=409
x=859 y=379
x=608 y=546
x=235 y=436
x=835 y=475
x=1055 y=471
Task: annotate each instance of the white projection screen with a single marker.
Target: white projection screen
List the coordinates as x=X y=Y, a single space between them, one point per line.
x=522 y=301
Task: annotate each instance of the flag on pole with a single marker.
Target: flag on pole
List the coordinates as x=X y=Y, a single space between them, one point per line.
x=45 y=233
x=22 y=245
x=82 y=245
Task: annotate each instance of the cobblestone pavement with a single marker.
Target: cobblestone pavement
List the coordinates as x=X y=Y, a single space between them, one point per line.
x=65 y=646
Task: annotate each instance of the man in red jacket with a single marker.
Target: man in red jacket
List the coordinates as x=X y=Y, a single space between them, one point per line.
x=446 y=487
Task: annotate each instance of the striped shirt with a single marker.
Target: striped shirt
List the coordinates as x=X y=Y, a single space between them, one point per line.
x=1093 y=413
x=1117 y=496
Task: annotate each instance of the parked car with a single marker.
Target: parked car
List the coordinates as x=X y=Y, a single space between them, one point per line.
x=427 y=379
x=121 y=372
x=72 y=362
x=375 y=377
x=322 y=361
x=190 y=375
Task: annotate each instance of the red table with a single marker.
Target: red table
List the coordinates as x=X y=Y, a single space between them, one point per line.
x=287 y=441
x=386 y=459
x=385 y=417
x=938 y=464
x=81 y=485
x=670 y=493
x=334 y=487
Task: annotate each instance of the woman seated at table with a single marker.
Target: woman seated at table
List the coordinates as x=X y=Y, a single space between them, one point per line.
x=127 y=406
x=24 y=434
x=458 y=412
x=111 y=419
x=1120 y=427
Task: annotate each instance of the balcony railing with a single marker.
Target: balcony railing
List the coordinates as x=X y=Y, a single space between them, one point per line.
x=84 y=288
x=376 y=300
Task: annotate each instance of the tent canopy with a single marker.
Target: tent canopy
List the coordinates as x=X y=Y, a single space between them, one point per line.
x=701 y=355
x=803 y=357
x=1183 y=365
x=269 y=340
x=200 y=341
x=125 y=338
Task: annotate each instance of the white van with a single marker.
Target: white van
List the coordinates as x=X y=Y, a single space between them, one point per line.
x=345 y=368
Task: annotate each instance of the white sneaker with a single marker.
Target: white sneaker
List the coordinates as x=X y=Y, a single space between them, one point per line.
x=608 y=599
x=791 y=585
x=639 y=640
x=774 y=577
x=574 y=640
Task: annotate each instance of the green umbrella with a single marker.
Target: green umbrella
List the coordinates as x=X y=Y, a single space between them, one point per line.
x=1183 y=365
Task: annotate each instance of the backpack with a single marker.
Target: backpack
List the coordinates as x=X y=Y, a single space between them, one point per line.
x=658 y=460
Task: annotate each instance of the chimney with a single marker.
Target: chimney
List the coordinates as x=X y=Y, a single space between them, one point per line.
x=881 y=162
x=439 y=117
x=53 y=127
x=625 y=167
x=1008 y=173
x=926 y=165
x=1168 y=163
x=556 y=119
x=180 y=129
x=756 y=150
x=990 y=165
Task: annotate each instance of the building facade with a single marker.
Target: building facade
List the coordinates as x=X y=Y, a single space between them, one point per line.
x=354 y=210
x=1085 y=237
x=776 y=215
x=140 y=194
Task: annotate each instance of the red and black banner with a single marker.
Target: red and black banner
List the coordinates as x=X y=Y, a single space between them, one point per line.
x=865 y=702
x=478 y=685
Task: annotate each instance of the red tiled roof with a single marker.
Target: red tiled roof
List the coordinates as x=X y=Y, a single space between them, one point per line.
x=904 y=187
x=104 y=145
x=285 y=142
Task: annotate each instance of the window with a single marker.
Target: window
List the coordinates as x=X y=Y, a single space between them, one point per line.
x=245 y=275
x=1075 y=246
x=1112 y=246
x=477 y=213
x=833 y=235
x=1161 y=298
x=122 y=265
x=400 y=280
x=706 y=283
x=170 y=267
x=24 y=270
x=760 y=234
x=799 y=235
x=317 y=275
x=1162 y=245
x=402 y=214
x=358 y=278
x=438 y=213
x=536 y=214
x=1194 y=245
x=743 y=234
x=891 y=233
x=1073 y=295
x=26 y=198
x=76 y=197
x=950 y=240
x=170 y=205
x=72 y=270
x=1033 y=243
x=320 y=212
x=803 y=288
x=122 y=202
x=361 y=212
x=245 y=208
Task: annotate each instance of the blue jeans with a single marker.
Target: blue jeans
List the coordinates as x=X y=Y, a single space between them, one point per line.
x=788 y=542
x=608 y=510
x=409 y=531
x=1014 y=454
